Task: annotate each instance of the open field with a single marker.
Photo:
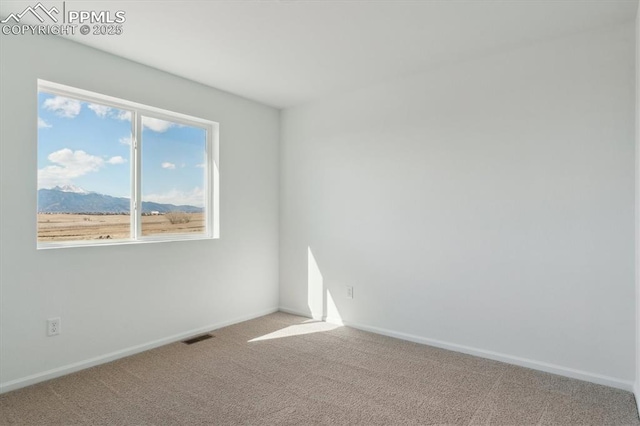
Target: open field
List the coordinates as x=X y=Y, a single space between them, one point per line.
x=74 y=227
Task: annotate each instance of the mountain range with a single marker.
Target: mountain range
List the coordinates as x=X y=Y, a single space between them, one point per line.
x=73 y=199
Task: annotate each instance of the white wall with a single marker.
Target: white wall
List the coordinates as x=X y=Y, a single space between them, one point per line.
x=487 y=206
x=637 y=117
x=115 y=298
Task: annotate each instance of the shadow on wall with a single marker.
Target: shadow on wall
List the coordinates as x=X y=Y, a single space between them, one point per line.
x=319 y=299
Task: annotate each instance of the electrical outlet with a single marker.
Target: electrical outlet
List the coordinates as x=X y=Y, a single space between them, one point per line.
x=349 y=292
x=53 y=326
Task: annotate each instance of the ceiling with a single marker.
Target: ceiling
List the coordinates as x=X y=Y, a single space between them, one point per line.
x=286 y=53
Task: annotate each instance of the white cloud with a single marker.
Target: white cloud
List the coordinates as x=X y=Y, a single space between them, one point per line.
x=195 y=197
x=64 y=107
x=116 y=160
x=168 y=165
x=201 y=165
x=101 y=110
x=68 y=166
x=156 y=124
x=123 y=115
x=43 y=124
x=125 y=140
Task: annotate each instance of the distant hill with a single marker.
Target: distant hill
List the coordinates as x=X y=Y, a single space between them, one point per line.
x=71 y=188
x=61 y=200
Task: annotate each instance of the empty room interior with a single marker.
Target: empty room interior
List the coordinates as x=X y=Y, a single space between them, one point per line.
x=320 y=212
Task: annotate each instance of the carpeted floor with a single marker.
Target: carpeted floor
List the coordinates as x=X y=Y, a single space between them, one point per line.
x=287 y=370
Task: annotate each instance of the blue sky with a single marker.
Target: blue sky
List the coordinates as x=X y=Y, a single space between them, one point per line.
x=88 y=145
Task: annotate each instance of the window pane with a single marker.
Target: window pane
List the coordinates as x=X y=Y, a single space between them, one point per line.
x=83 y=170
x=174 y=170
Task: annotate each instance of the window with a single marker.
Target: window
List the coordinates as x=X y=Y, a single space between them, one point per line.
x=113 y=171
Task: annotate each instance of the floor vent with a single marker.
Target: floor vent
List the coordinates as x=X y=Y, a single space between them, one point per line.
x=197 y=339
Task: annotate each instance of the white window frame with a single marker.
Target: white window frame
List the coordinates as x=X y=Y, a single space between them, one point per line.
x=212 y=186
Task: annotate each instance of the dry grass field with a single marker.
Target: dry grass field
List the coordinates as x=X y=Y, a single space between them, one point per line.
x=74 y=227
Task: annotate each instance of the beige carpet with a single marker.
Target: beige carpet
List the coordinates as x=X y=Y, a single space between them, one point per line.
x=287 y=370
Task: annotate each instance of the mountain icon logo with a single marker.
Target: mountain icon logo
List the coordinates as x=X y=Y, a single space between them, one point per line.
x=34 y=11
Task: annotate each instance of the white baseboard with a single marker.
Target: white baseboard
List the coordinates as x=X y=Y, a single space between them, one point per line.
x=306 y=314
x=523 y=362
x=496 y=356
x=81 y=365
x=636 y=394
